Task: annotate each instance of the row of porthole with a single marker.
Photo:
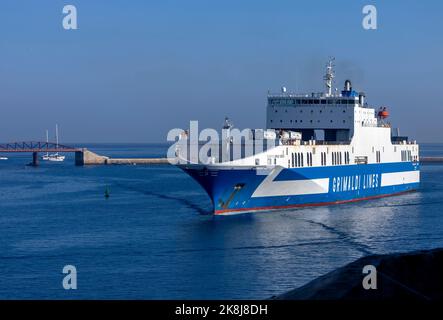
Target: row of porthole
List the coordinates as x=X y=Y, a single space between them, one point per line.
x=337 y=158
x=312 y=111
x=406 y=155
x=311 y=121
x=297 y=159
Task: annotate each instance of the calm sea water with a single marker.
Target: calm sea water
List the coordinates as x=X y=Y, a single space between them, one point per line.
x=154 y=239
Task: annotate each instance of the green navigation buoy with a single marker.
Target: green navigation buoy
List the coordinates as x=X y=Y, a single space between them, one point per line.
x=107 y=193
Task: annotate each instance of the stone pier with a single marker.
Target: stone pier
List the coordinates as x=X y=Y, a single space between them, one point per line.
x=86 y=157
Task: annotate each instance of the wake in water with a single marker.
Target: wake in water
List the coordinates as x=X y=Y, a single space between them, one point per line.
x=184 y=201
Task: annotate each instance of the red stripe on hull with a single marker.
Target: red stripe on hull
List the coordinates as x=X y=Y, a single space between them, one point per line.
x=239 y=210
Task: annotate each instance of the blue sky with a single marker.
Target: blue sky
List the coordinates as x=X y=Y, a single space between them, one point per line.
x=135 y=69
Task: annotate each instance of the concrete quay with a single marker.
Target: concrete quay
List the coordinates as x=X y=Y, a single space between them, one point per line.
x=87 y=157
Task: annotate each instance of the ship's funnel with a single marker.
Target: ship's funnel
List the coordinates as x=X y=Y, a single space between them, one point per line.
x=348 y=85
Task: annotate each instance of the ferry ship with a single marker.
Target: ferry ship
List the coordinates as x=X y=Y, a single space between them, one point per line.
x=331 y=147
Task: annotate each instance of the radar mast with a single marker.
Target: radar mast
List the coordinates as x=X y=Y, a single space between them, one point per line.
x=329 y=76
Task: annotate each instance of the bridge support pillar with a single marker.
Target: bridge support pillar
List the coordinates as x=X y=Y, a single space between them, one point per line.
x=79 y=158
x=35 y=159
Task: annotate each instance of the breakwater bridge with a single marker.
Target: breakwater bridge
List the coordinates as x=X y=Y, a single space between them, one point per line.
x=83 y=156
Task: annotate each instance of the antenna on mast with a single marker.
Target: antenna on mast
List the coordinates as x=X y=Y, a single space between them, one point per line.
x=329 y=76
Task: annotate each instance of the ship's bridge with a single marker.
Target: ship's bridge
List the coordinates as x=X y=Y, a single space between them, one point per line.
x=333 y=116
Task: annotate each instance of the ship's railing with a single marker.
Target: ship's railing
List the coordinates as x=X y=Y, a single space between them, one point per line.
x=313 y=142
x=329 y=143
x=404 y=142
x=376 y=125
x=299 y=95
x=220 y=152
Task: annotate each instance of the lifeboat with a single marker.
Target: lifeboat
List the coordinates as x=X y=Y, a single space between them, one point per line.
x=383 y=113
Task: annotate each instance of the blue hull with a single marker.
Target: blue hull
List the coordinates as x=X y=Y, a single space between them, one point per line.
x=243 y=190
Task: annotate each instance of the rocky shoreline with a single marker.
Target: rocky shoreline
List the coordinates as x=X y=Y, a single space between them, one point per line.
x=416 y=275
